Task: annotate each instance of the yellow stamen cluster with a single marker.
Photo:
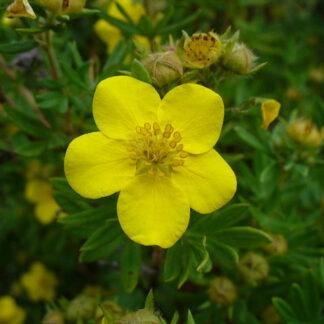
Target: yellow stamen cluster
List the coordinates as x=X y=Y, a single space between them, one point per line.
x=202 y=50
x=156 y=151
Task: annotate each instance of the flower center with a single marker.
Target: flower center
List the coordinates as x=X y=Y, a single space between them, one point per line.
x=156 y=151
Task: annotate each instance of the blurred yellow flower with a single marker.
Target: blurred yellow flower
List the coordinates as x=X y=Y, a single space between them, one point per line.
x=158 y=153
x=10 y=312
x=270 y=111
x=20 y=8
x=305 y=132
x=39 y=283
x=40 y=192
x=110 y=34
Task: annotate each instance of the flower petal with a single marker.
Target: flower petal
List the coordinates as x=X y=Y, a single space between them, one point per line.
x=153 y=211
x=96 y=166
x=196 y=112
x=121 y=103
x=208 y=181
x=270 y=111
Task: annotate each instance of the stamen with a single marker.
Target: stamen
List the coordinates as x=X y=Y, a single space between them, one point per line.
x=179 y=147
x=183 y=154
x=147 y=126
x=173 y=144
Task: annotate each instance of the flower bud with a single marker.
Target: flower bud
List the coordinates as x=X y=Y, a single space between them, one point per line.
x=253 y=267
x=53 y=317
x=141 y=316
x=239 y=59
x=164 y=67
x=200 y=50
x=304 y=132
x=63 y=6
x=222 y=291
x=111 y=307
x=270 y=316
x=81 y=307
x=278 y=246
x=20 y=8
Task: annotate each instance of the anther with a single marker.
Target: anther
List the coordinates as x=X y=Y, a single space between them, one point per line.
x=166 y=134
x=173 y=144
x=156 y=128
x=179 y=147
x=168 y=128
x=177 y=163
x=138 y=129
x=147 y=126
x=183 y=154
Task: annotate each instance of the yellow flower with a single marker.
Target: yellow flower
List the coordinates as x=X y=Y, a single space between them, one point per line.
x=201 y=50
x=110 y=34
x=158 y=153
x=39 y=283
x=270 y=111
x=305 y=132
x=10 y=313
x=40 y=192
x=20 y=8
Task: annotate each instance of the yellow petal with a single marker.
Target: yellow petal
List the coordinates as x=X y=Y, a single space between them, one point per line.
x=38 y=190
x=20 y=8
x=270 y=111
x=153 y=211
x=121 y=103
x=46 y=211
x=96 y=166
x=196 y=112
x=208 y=181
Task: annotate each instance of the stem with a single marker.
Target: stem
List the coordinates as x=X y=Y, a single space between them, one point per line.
x=25 y=92
x=48 y=48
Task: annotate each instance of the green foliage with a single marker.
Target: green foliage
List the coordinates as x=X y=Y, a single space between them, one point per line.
x=49 y=69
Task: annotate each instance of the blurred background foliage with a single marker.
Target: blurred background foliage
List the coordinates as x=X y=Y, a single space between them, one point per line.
x=224 y=269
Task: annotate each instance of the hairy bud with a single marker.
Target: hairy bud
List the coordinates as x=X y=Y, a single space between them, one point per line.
x=222 y=291
x=253 y=267
x=164 y=67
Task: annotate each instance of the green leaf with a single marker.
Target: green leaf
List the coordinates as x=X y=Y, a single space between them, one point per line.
x=139 y=71
x=321 y=273
x=179 y=25
x=249 y=138
x=23 y=146
x=73 y=76
x=222 y=252
x=17 y=47
x=149 y=301
x=102 y=252
x=103 y=235
x=190 y=319
x=27 y=123
x=242 y=237
x=175 y=318
x=87 y=217
x=123 y=26
x=283 y=309
x=131 y=259
x=172 y=266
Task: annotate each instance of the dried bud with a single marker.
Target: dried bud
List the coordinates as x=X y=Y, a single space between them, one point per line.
x=222 y=291
x=111 y=307
x=253 y=267
x=63 y=6
x=200 y=50
x=239 y=59
x=270 y=111
x=163 y=67
x=20 y=8
x=270 y=316
x=54 y=317
x=278 y=246
x=304 y=131
x=81 y=307
x=139 y=317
